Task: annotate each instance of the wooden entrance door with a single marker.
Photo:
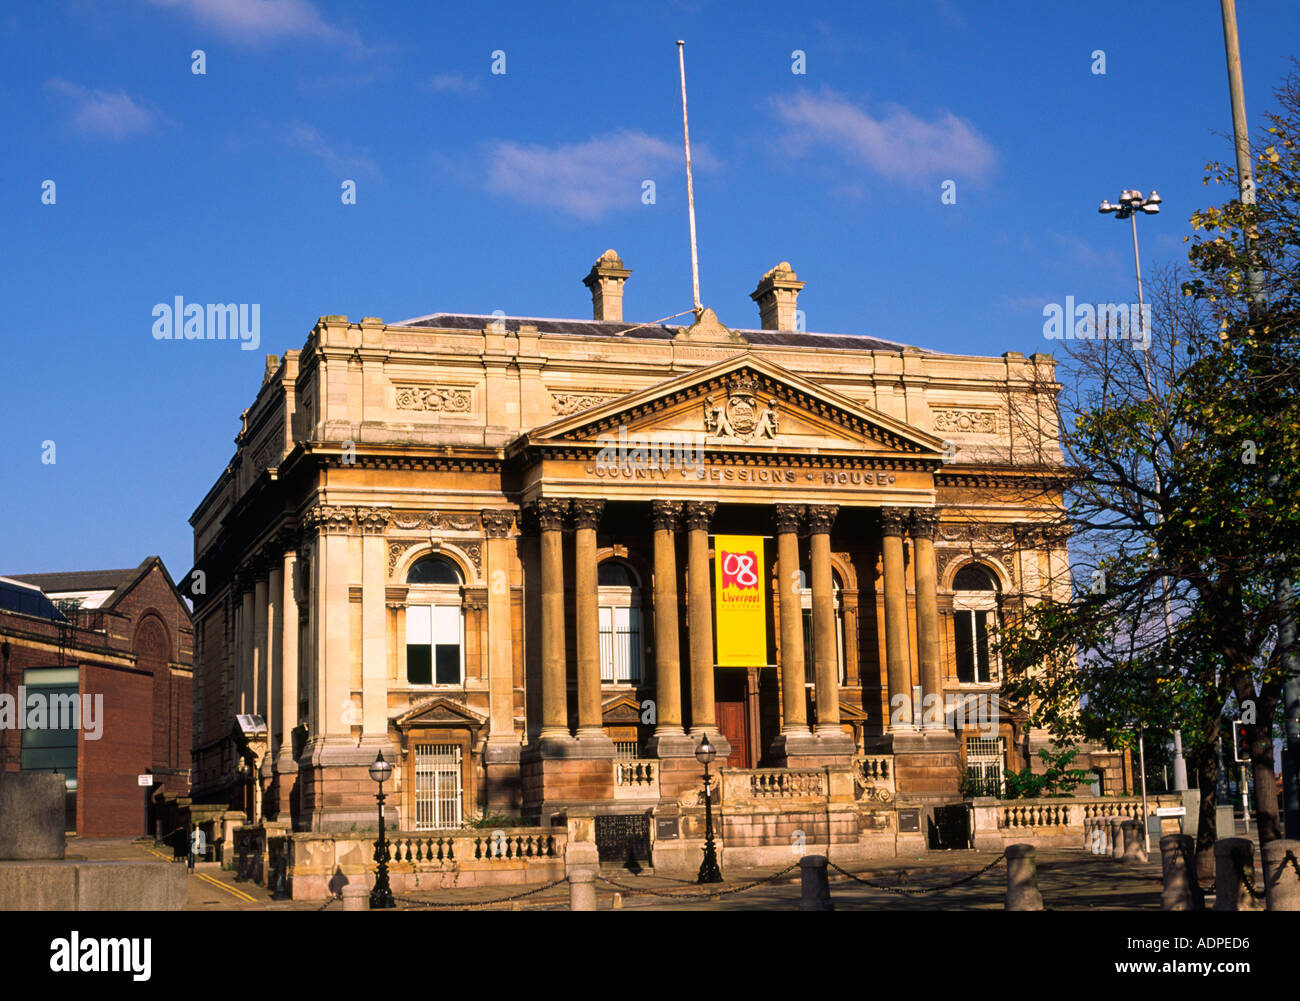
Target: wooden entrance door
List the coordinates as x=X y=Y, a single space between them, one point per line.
x=733 y=715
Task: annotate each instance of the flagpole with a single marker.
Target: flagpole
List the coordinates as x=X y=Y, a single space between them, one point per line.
x=690 y=186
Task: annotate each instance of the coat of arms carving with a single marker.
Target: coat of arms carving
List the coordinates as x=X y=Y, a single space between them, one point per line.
x=741 y=415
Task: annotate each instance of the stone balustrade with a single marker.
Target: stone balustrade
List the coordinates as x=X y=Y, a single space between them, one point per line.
x=873 y=776
x=636 y=778
x=318 y=865
x=1036 y=814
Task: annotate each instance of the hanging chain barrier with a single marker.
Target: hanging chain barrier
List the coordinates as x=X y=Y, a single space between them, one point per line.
x=708 y=894
x=480 y=903
x=327 y=903
x=919 y=890
x=1248 y=878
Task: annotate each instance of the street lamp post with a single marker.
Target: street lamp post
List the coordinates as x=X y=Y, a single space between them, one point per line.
x=1130 y=204
x=709 y=871
x=381 y=896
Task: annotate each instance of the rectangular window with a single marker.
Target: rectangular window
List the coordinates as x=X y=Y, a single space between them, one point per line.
x=620 y=644
x=985 y=762
x=53 y=749
x=437 y=787
x=434 y=643
x=974 y=655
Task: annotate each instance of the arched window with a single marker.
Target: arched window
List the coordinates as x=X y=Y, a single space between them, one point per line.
x=805 y=603
x=975 y=620
x=435 y=623
x=619 y=605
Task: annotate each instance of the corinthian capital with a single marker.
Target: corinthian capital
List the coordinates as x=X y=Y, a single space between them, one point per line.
x=373 y=520
x=925 y=522
x=894 y=521
x=665 y=514
x=550 y=513
x=496 y=522
x=698 y=515
x=587 y=512
x=821 y=517
x=787 y=517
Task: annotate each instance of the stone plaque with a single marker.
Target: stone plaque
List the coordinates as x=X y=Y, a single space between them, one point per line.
x=909 y=821
x=666 y=828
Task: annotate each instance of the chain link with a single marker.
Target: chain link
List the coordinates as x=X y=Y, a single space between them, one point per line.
x=680 y=895
x=917 y=891
x=327 y=903
x=480 y=903
x=1248 y=878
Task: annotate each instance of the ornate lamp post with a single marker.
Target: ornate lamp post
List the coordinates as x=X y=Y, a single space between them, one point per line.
x=709 y=871
x=381 y=896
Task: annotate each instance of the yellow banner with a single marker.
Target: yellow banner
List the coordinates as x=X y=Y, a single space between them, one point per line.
x=741 y=608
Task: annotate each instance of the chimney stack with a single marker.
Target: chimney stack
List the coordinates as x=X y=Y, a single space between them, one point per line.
x=605 y=279
x=776 y=295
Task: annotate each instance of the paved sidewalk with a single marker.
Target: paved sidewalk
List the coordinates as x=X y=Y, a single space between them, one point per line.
x=1069 y=879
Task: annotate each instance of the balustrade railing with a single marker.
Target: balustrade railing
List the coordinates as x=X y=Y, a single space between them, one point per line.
x=636 y=773
x=785 y=783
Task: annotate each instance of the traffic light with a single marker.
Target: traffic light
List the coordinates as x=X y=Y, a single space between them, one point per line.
x=1240 y=743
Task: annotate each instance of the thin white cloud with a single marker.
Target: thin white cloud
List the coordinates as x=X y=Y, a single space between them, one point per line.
x=109 y=114
x=453 y=83
x=895 y=143
x=341 y=162
x=259 y=21
x=587 y=179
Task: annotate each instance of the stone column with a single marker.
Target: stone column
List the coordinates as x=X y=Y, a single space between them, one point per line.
x=501 y=726
x=894 y=521
x=374 y=621
x=274 y=649
x=925 y=521
x=586 y=516
x=555 y=718
x=668 y=734
x=794 y=696
x=286 y=763
x=698 y=515
x=334 y=626
x=261 y=591
x=247 y=701
x=826 y=668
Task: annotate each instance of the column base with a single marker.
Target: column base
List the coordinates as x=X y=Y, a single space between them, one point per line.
x=502 y=776
x=553 y=783
x=803 y=749
x=927 y=764
x=671 y=744
x=337 y=791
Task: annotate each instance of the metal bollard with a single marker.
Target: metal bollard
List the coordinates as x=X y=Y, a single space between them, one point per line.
x=1178 y=894
x=1133 y=850
x=1232 y=857
x=356 y=897
x=815 y=888
x=1022 y=879
x=1113 y=826
x=1282 y=874
x=582 y=891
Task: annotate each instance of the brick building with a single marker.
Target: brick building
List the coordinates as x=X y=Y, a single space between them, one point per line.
x=488 y=547
x=121 y=642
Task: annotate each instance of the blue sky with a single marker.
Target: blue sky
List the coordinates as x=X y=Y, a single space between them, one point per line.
x=479 y=191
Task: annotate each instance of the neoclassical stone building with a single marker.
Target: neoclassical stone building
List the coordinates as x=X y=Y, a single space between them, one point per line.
x=485 y=546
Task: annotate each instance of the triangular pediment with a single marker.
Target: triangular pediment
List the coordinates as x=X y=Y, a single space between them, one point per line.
x=744 y=403
x=621 y=709
x=439 y=711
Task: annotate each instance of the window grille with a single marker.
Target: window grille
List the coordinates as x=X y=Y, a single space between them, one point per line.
x=437 y=786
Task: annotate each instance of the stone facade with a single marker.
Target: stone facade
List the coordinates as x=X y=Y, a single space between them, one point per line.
x=565 y=479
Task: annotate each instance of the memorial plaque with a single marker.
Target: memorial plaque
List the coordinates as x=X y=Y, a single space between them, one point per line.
x=666 y=828
x=909 y=821
x=623 y=837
